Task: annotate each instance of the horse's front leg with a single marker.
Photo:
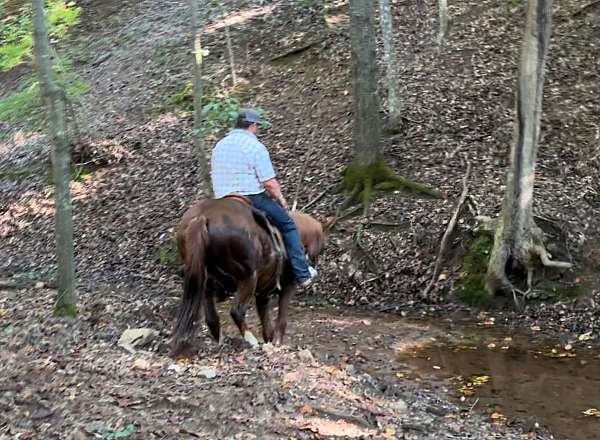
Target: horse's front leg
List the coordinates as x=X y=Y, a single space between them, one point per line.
x=282 y=315
x=246 y=289
x=263 y=310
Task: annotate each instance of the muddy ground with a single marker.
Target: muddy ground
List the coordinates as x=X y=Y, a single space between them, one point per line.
x=135 y=56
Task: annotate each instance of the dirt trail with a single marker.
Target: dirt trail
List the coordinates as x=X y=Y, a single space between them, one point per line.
x=135 y=55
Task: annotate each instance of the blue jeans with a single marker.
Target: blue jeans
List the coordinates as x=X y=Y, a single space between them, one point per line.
x=291 y=236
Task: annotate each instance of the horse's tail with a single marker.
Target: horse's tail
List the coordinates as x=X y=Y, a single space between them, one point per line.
x=194 y=286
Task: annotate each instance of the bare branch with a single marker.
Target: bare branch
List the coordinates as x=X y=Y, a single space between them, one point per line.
x=449 y=229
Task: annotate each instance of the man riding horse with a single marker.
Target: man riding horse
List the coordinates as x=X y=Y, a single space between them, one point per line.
x=240 y=165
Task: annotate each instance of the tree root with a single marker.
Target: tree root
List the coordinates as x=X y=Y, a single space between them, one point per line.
x=361 y=181
x=525 y=257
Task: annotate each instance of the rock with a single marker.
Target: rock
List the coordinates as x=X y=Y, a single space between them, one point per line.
x=133 y=338
x=399 y=406
x=140 y=364
x=306 y=355
x=268 y=348
x=208 y=373
x=175 y=367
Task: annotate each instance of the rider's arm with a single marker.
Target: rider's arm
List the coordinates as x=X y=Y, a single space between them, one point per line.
x=274 y=190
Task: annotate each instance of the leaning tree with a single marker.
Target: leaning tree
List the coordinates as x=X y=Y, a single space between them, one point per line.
x=519 y=242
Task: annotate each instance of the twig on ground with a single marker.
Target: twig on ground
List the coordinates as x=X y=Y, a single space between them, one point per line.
x=449 y=229
x=584 y=9
x=341 y=217
x=319 y=197
x=302 y=172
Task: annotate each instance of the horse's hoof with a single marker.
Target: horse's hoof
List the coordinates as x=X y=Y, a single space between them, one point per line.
x=250 y=338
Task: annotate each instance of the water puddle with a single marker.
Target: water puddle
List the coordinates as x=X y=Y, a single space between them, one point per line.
x=504 y=374
x=514 y=378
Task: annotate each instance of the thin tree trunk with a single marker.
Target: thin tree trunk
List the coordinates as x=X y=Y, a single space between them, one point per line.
x=66 y=304
x=518 y=240
x=205 y=187
x=229 y=45
x=390 y=61
x=367 y=125
x=443 y=17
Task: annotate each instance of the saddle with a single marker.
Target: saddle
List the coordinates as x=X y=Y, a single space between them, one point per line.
x=262 y=220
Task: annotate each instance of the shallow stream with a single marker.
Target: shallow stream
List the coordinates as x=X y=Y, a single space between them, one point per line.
x=506 y=374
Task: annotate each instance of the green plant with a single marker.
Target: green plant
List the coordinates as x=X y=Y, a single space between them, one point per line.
x=470 y=288
x=16 y=44
x=16 y=38
x=129 y=429
x=25 y=104
x=512 y=5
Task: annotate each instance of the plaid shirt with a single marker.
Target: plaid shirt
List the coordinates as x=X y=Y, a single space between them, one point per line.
x=239 y=164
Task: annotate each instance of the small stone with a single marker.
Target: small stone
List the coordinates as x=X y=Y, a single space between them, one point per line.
x=268 y=348
x=140 y=364
x=208 y=373
x=306 y=355
x=399 y=406
x=175 y=367
x=136 y=337
x=250 y=338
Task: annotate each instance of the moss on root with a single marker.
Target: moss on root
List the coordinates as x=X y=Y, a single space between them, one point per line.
x=65 y=310
x=360 y=182
x=471 y=287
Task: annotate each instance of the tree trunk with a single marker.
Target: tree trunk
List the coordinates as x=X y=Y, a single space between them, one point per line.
x=368 y=171
x=391 y=62
x=54 y=98
x=205 y=187
x=518 y=240
x=443 y=17
x=367 y=125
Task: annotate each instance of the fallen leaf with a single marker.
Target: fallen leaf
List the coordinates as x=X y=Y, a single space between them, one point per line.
x=307 y=409
x=498 y=418
x=290 y=377
x=535 y=328
x=593 y=412
x=331 y=428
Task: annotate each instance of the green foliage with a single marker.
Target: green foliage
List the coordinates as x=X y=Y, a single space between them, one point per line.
x=219 y=113
x=167 y=254
x=25 y=104
x=471 y=287
x=129 y=429
x=22 y=104
x=65 y=310
x=512 y=5
x=16 y=34
x=16 y=45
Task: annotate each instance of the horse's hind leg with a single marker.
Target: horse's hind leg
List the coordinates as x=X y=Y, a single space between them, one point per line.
x=212 y=316
x=282 y=315
x=262 y=307
x=246 y=289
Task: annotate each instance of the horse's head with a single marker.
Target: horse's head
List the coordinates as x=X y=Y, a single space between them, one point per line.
x=312 y=232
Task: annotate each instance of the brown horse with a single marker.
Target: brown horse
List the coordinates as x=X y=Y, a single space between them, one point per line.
x=228 y=242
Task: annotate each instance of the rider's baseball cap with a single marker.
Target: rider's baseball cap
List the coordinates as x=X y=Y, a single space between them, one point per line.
x=251 y=115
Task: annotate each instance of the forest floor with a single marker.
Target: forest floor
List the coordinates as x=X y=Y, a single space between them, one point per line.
x=141 y=176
